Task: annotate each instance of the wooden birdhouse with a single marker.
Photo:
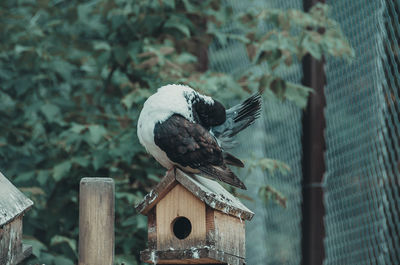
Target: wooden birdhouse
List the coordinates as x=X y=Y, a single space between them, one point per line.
x=193 y=220
x=13 y=205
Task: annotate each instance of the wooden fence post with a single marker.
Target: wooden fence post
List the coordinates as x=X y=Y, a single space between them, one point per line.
x=313 y=230
x=96 y=221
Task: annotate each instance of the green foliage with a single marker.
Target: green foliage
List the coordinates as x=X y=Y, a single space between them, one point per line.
x=74 y=75
x=268 y=164
x=268 y=193
x=295 y=34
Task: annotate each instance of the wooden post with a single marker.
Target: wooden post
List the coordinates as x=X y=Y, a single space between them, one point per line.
x=96 y=221
x=313 y=230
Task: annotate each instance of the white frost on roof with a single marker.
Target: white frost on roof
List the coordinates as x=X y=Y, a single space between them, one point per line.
x=206 y=190
x=149 y=198
x=215 y=191
x=152 y=196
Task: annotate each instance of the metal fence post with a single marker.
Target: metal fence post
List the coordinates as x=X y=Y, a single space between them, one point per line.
x=313 y=230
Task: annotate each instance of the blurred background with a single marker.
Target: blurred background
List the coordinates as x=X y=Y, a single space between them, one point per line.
x=322 y=168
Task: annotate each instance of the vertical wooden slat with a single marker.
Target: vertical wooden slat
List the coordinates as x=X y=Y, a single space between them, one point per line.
x=210 y=226
x=11 y=242
x=230 y=234
x=96 y=221
x=152 y=228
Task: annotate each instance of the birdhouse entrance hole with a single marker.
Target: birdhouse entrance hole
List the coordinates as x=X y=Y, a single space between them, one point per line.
x=181 y=227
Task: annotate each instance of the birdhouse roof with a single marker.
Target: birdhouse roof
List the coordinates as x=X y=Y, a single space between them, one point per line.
x=208 y=191
x=12 y=202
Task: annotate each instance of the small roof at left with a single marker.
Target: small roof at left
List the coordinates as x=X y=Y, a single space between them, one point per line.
x=12 y=202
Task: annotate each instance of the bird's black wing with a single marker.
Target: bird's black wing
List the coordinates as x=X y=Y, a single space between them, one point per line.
x=190 y=145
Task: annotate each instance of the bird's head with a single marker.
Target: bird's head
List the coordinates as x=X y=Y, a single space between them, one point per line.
x=210 y=115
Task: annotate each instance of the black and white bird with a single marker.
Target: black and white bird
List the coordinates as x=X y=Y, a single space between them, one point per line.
x=182 y=128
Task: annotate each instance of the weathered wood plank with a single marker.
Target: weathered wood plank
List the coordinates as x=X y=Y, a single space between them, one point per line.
x=199 y=256
x=229 y=234
x=96 y=221
x=180 y=202
x=152 y=228
x=11 y=242
x=210 y=226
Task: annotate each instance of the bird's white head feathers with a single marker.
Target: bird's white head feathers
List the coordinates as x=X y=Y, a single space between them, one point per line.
x=169 y=100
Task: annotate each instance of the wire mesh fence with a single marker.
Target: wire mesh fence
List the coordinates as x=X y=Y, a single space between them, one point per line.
x=274 y=236
x=362 y=178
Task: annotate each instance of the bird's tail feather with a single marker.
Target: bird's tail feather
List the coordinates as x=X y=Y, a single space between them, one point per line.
x=232 y=160
x=238 y=118
x=250 y=108
x=222 y=173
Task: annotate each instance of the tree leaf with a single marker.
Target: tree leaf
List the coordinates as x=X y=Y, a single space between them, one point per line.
x=37 y=246
x=96 y=133
x=278 y=86
x=174 y=23
x=298 y=94
x=60 y=170
x=312 y=47
x=7 y=103
x=136 y=96
x=58 y=239
x=24 y=177
x=267 y=193
x=50 y=111
x=99 y=159
x=81 y=160
x=77 y=128
x=61 y=260
x=101 y=45
x=20 y=49
x=42 y=177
